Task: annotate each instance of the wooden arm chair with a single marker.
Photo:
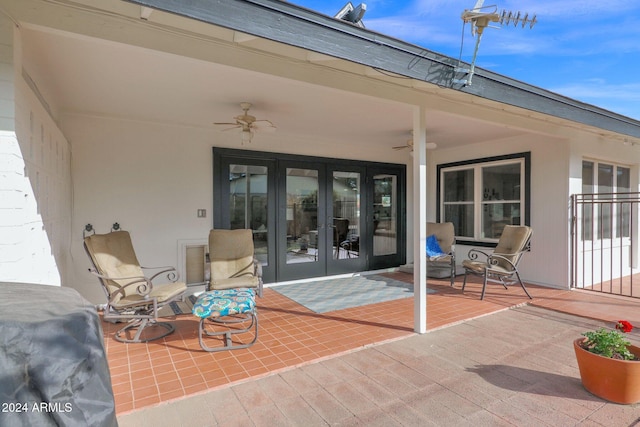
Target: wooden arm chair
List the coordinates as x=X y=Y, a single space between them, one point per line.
x=131 y=294
x=501 y=266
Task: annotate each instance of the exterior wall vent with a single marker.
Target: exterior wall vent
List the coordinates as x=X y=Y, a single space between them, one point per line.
x=191 y=261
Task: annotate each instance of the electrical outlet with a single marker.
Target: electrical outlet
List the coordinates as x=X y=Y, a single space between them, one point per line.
x=202 y=213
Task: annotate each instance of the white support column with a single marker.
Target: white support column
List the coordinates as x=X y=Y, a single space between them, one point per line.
x=419 y=220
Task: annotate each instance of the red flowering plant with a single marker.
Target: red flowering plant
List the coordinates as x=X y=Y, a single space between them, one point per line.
x=609 y=343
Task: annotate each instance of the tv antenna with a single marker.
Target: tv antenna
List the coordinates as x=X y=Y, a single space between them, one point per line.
x=480 y=17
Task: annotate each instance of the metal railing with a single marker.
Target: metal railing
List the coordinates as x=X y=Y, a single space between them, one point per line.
x=604 y=243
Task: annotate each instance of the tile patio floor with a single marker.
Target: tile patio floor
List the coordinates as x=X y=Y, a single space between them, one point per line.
x=160 y=375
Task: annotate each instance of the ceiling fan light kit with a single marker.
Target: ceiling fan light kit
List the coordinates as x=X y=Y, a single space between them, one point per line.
x=247 y=135
x=247 y=124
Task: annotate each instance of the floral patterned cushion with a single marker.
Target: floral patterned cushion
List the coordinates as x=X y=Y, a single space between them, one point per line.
x=225 y=302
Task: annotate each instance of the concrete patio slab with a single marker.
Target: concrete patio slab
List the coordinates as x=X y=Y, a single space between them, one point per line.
x=514 y=367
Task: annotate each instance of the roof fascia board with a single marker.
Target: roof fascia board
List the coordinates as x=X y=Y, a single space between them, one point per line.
x=286 y=23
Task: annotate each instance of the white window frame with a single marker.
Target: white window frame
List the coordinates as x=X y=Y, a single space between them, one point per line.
x=615 y=232
x=521 y=159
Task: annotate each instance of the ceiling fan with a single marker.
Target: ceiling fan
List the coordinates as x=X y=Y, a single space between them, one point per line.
x=247 y=124
x=409 y=145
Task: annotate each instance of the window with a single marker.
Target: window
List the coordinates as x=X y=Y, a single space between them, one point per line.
x=481 y=196
x=606 y=183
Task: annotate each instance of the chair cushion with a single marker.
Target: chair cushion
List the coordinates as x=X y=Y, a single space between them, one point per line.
x=231 y=253
x=113 y=256
x=433 y=247
x=479 y=267
x=444 y=259
x=224 y=303
x=444 y=232
x=162 y=293
x=234 y=282
x=513 y=240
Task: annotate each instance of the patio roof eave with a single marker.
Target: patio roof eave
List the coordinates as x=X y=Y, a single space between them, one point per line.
x=287 y=23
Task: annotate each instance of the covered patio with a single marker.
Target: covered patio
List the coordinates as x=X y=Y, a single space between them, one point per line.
x=291 y=336
x=110 y=118
x=515 y=367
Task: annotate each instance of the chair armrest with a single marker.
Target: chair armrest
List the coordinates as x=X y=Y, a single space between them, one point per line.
x=257 y=268
x=474 y=253
x=207 y=271
x=144 y=288
x=258 y=273
x=495 y=258
x=172 y=273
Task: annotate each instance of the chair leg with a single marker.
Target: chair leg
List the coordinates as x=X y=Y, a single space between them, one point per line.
x=140 y=325
x=464 y=282
x=453 y=273
x=522 y=284
x=227 y=335
x=484 y=285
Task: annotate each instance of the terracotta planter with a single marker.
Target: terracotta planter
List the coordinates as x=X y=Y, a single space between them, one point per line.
x=614 y=380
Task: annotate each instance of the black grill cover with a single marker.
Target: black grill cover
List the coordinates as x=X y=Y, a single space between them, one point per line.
x=53 y=366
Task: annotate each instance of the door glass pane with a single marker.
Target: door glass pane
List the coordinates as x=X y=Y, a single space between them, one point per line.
x=302 y=215
x=385 y=193
x=346 y=215
x=248 y=204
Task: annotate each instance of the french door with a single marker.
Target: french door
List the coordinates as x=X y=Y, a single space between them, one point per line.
x=311 y=217
x=319 y=220
x=244 y=197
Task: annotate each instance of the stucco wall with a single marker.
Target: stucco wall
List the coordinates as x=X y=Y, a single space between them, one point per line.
x=152 y=178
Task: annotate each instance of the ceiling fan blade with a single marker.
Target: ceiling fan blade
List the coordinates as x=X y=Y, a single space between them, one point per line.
x=400 y=147
x=225 y=124
x=233 y=126
x=263 y=126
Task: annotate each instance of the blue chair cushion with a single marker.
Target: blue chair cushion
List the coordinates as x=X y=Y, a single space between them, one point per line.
x=220 y=303
x=433 y=247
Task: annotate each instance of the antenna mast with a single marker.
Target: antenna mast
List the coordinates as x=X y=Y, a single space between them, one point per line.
x=480 y=18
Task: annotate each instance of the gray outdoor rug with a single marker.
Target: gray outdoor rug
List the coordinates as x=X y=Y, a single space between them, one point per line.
x=338 y=294
x=178 y=307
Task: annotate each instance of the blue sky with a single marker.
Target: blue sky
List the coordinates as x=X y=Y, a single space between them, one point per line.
x=584 y=49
